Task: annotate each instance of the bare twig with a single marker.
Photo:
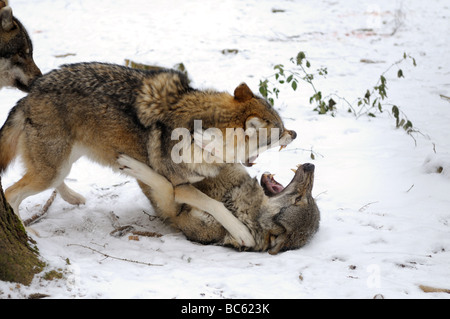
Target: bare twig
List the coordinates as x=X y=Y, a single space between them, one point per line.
x=399 y=19
x=112 y=257
x=314 y=153
x=410 y=188
x=120 y=231
x=433 y=289
x=146 y=233
x=444 y=97
x=324 y=192
x=44 y=211
x=365 y=207
x=114 y=220
x=64 y=55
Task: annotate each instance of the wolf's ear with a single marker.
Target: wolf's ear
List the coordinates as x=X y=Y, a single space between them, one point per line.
x=243 y=93
x=6 y=18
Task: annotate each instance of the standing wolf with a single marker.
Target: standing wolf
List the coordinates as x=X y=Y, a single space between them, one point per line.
x=17 y=67
x=103 y=110
x=278 y=218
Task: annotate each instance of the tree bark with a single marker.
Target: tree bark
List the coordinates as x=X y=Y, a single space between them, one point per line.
x=19 y=257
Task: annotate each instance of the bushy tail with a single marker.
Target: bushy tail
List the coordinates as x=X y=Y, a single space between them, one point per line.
x=9 y=137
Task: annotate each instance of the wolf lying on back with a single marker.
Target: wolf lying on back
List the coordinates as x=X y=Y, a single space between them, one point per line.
x=17 y=67
x=103 y=110
x=279 y=218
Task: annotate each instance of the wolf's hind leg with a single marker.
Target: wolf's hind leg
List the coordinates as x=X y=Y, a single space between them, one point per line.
x=161 y=190
x=30 y=184
x=70 y=195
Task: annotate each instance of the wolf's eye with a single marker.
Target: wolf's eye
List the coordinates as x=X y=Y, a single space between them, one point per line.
x=19 y=59
x=298 y=200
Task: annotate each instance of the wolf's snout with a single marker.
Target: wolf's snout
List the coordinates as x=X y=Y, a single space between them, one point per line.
x=33 y=71
x=37 y=72
x=308 y=167
x=286 y=138
x=293 y=134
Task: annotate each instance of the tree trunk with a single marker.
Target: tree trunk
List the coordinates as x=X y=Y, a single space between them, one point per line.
x=19 y=261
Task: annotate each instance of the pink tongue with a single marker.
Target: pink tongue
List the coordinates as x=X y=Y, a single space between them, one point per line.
x=273 y=186
x=277 y=188
x=270 y=185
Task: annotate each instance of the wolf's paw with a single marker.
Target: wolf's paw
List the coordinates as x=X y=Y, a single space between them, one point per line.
x=74 y=198
x=242 y=235
x=130 y=166
x=123 y=161
x=70 y=195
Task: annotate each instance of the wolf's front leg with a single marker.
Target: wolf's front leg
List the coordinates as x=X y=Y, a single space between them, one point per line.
x=190 y=195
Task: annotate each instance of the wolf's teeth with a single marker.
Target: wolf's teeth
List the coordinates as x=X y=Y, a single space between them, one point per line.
x=294 y=170
x=282 y=147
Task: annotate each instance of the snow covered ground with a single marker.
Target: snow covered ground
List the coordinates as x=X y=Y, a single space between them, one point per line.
x=385 y=227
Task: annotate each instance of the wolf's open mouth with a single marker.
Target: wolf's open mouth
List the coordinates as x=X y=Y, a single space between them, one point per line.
x=270 y=185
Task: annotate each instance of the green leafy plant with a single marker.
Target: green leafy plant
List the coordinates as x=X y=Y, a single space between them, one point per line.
x=373 y=101
x=292 y=77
